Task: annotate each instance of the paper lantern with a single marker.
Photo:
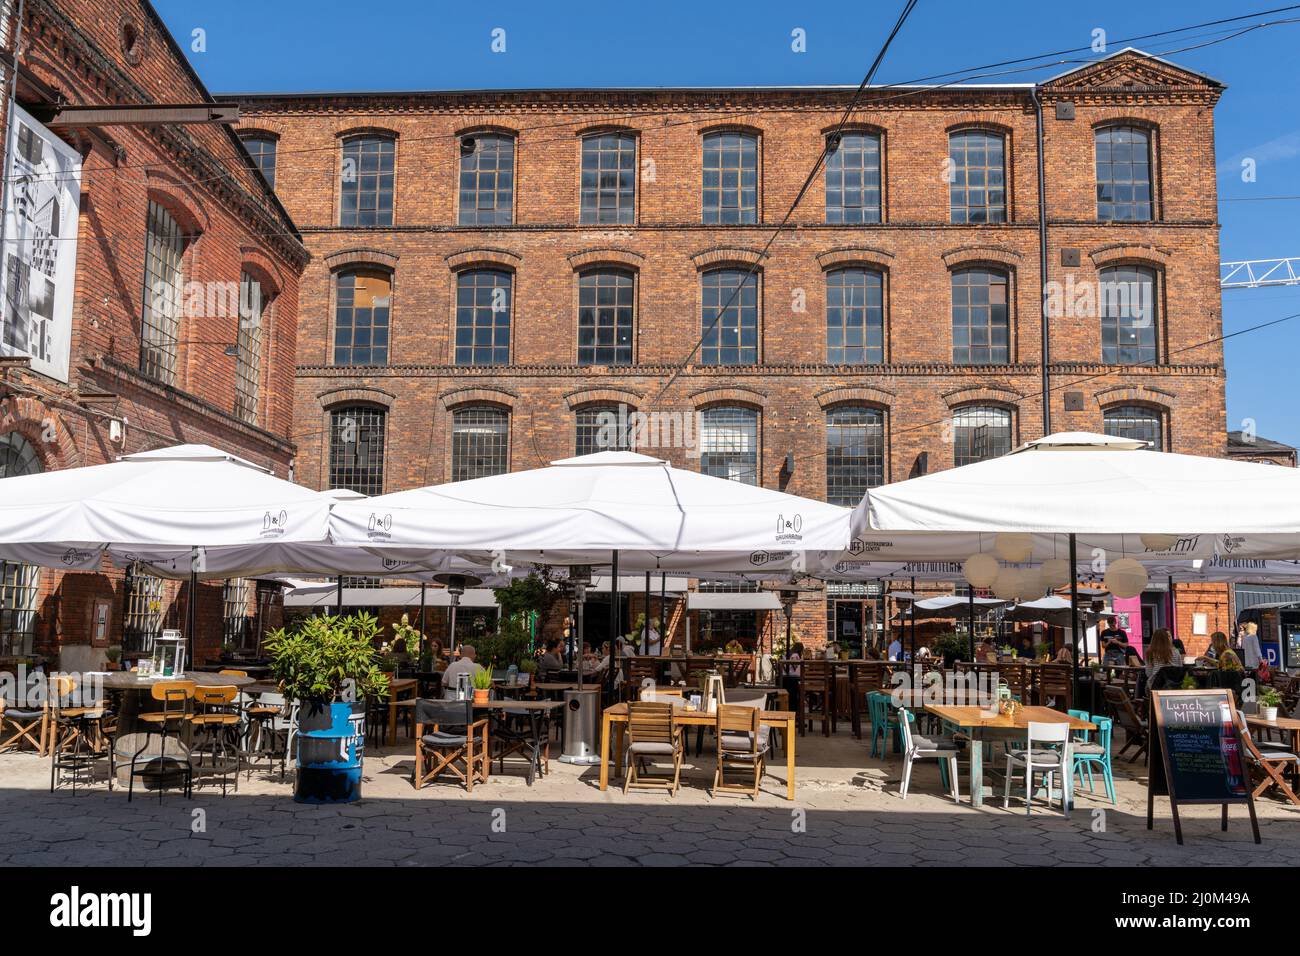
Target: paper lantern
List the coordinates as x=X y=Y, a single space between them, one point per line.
x=1159 y=542
x=1031 y=584
x=1126 y=578
x=1008 y=584
x=1055 y=572
x=1014 y=547
x=981 y=570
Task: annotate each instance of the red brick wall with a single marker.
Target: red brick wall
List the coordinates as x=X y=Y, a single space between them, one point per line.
x=75 y=50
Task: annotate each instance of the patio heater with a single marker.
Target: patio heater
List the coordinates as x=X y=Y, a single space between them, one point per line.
x=581 y=703
x=455 y=585
x=788 y=596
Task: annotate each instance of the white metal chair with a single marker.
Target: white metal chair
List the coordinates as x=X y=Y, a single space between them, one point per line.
x=916 y=745
x=1054 y=761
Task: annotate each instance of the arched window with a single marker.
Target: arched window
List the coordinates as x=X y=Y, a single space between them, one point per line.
x=1130 y=316
x=1137 y=422
x=729 y=443
x=977 y=188
x=362 y=305
x=605 y=317
x=855 y=317
x=729 y=317
x=981 y=325
x=480 y=442
x=20 y=584
x=357 y=435
x=483 y=302
x=248 y=349
x=487 y=179
x=980 y=433
x=600 y=428
x=366 y=182
x=262 y=148
x=164 y=285
x=855 y=453
x=730 y=178
x=853 y=179
x=1123 y=174
x=609 y=178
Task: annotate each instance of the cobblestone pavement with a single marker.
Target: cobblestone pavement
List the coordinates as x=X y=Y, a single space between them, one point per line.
x=848 y=812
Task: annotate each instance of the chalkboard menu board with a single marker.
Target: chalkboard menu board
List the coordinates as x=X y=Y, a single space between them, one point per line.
x=1197 y=754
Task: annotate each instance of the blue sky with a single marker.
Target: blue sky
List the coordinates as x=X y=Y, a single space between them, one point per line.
x=396 y=44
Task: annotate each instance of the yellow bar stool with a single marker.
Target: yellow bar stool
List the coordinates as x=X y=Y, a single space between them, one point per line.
x=161 y=726
x=216 y=723
x=76 y=737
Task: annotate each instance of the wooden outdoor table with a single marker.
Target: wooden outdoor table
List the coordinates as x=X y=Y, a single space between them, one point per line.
x=1287 y=725
x=977 y=723
x=398 y=688
x=616 y=716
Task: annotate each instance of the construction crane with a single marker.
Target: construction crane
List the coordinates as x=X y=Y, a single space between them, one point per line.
x=1257 y=273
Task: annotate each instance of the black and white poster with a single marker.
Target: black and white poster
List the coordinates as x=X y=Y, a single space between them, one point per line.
x=39 y=259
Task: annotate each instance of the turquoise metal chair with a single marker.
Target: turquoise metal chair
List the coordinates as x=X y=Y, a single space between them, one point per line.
x=1097 y=752
x=884 y=720
x=1081 y=735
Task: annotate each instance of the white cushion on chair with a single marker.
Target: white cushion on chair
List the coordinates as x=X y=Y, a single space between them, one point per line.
x=646 y=748
x=1040 y=757
x=934 y=743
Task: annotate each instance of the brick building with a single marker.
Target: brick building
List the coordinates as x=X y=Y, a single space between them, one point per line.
x=492 y=269
x=177 y=208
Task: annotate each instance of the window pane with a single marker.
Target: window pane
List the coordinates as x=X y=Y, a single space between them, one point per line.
x=20 y=584
x=853 y=180
x=730 y=178
x=729 y=317
x=978 y=169
x=609 y=179
x=980 y=433
x=366 y=188
x=605 y=317
x=855 y=453
x=1135 y=422
x=601 y=428
x=143 y=617
x=487 y=180
x=248 y=349
x=480 y=442
x=980 y=321
x=357 y=449
x=363 y=300
x=483 y=317
x=164 y=283
x=1129 y=316
x=729 y=444
x=1123 y=174
x=262 y=149
x=855 y=317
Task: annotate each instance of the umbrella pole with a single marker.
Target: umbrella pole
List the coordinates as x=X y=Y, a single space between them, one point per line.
x=191 y=612
x=1173 y=613
x=1074 y=612
x=613 y=626
x=663 y=589
x=422 y=640
x=338 y=599
x=913 y=607
x=645 y=619
x=970 y=617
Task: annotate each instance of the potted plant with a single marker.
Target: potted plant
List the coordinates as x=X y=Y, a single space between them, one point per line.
x=952 y=647
x=114 y=656
x=328 y=666
x=527 y=670
x=482 y=682
x=1269 y=701
x=1188 y=682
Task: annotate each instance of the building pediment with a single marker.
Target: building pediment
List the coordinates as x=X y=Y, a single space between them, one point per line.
x=1131 y=71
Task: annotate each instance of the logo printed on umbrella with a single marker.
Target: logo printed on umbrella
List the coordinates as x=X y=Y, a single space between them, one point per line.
x=1231 y=543
x=855 y=546
x=392 y=564
x=75 y=556
x=788 y=529
x=378 y=527
x=759 y=558
x=273 y=525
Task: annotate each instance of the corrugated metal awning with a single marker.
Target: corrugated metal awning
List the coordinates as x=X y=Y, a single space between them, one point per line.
x=733 y=601
x=1254 y=595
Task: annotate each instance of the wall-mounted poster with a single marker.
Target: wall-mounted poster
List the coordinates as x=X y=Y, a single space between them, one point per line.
x=38 y=263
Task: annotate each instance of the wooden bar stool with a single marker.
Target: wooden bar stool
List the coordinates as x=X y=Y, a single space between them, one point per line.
x=216 y=722
x=75 y=735
x=163 y=725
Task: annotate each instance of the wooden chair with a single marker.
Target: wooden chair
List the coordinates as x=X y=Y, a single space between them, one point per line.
x=1056 y=685
x=1270 y=766
x=817 y=696
x=216 y=723
x=651 y=734
x=1016 y=675
x=74 y=735
x=1135 y=728
x=164 y=725
x=659 y=693
x=21 y=721
x=639 y=670
x=446 y=732
x=741 y=742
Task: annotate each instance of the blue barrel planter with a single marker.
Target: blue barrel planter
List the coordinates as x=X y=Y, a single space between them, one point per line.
x=331 y=747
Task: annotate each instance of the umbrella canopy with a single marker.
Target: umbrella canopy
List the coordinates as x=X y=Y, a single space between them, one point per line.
x=1051 y=610
x=170 y=498
x=1106 y=488
x=948 y=605
x=578 y=510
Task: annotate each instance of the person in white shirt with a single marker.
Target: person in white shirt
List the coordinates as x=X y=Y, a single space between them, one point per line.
x=896 y=650
x=1251 y=653
x=651 y=644
x=465 y=665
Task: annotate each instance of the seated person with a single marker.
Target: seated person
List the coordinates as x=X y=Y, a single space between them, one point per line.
x=1065 y=655
x=552 y=660
x=465 y=665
